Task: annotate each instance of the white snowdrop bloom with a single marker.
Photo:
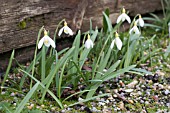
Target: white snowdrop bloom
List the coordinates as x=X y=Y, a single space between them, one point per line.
x=88 y=43
x=140 y=21
x=116 y=41
x=123 y=17
x=46 y=40
x=134 y=29
x=66 y=30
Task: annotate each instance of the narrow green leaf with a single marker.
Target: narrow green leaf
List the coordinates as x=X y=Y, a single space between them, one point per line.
x=88 y=99
x=105 y=25
x=113 y=67
x=104 y=63
x=75 y=94
x=30 y=68
x=76 y=44
x=109 y=24
x=142 y=71
x=60 y=79
x=42 y=85
x=26 y=98
x=152 y=25
x=51 y=75
x=8 y=68
x=119 y=72
x=105 y=78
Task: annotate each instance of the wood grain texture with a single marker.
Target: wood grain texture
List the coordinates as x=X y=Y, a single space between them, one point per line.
x=20 y=20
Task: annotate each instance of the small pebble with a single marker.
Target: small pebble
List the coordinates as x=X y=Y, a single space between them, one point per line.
x=107 y=101
x=29 y=107
x=12 y=94
x=53 y=108
x=141 y=101
x=107 y=91
x=128 y=90
x=148 y=93
x=146 y=102
x=139 y=93
x=32 y=105
x=94 y=109
x=37 y=107
x=114 y=95
x=3 y=92
x=15 y=104
x=63 y=111
x=101 y=103
x=102 y=99
x=168 y=105
x=160 y=86
x=100 y=92
x=166 y=92
x=42 y=106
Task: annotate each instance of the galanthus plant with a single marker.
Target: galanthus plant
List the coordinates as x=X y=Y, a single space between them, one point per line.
x=46 y=40
x=134 y=29
x=89 y=42
x=123 y=17
x=140 y=21
x=66 y=30
x=116 y=41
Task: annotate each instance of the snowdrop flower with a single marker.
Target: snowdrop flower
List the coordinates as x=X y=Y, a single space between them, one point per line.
x=140 y=21
x=46 y=40
x=116 y=41
x=134 y=29
x=123 y=17
x=66 y=30
x=88 y=43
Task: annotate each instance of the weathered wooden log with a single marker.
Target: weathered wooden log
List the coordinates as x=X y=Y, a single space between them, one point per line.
x=20 y=20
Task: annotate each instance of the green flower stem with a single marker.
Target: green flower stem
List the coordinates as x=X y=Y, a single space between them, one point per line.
x=35 y=54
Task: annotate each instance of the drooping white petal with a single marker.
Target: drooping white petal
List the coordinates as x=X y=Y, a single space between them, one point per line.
x=67 y=30
x=40 y=43
x=119 y=19
x=127 y=18
x=118 y=43
x=112 y=44
x=46 y=41
x=52 y=43
x=123 y=17
x=91 y=43
x=136 y=30
x=137 y=21
x=60 y=31
x=131 y=30
x=88 y=44
x=141 y=22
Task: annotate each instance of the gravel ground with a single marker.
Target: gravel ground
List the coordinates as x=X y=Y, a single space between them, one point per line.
x=128 y=93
